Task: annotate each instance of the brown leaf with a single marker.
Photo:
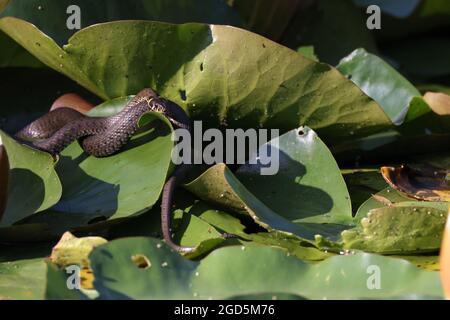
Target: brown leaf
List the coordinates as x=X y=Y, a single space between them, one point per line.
x=426 y=183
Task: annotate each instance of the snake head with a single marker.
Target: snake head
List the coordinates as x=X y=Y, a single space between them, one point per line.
x=145 y=95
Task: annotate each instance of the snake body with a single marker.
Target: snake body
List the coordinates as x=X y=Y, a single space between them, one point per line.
x=104 y=136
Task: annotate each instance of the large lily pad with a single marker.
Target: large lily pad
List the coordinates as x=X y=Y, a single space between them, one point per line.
x=218 y=185
x=384 y=84
x=32 y=183
x=241 y=86
x=389 y=197
x=236 y=270
x=22 y=279
x=398 y=230
x=308 y=186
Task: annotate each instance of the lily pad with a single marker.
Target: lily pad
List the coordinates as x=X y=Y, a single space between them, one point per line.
x=23 y=279
x=308 y=185
x=71 y=250
x=219 y=86
x=384 y=84
x=398 y=230
x=31 y=177
x=233 y=271
x=227 y=223
x=389 y=197
x=218 y=185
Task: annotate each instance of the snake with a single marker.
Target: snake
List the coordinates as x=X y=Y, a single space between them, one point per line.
x=105 y=136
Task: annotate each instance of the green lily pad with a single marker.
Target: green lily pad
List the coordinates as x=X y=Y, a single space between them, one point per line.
x=218 y=185
x=390 y=197
x=32 y=176
x=236 y=270
x=427 y=262
x=23 y=279
x=308 y=51
x=398 y=230
x=308 y=185
x=227 y=223
x=194 y=232
x=56 y=286
x=186 y=66
x=13 y=55
x=71 y=250
x=385 y=85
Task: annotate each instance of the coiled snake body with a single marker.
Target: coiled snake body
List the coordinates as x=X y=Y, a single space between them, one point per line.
x=103 y=136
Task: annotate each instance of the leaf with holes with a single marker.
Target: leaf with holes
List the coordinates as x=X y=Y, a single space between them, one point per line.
x=221 y=75
x=237 y=270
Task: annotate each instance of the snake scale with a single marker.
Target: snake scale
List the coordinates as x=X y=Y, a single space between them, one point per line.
x=104 y=136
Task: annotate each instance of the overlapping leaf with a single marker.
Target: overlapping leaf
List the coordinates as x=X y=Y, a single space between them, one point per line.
x=257 y=84
x=237 y=270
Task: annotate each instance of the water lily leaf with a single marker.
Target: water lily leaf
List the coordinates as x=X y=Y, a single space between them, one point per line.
x=232 y=271
x=392 y=198
x=22 y=279
x=397 y=230
x=56 y=285
x=71 y=250
x=13 y=55
x=428 y=262
x=308 y=185
x=194 y=232
x=31 y=175
x=308 y=51
x=227 y=223
x=219 y=186
x=425 y=183
x=186 y=67
x=384 y=84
